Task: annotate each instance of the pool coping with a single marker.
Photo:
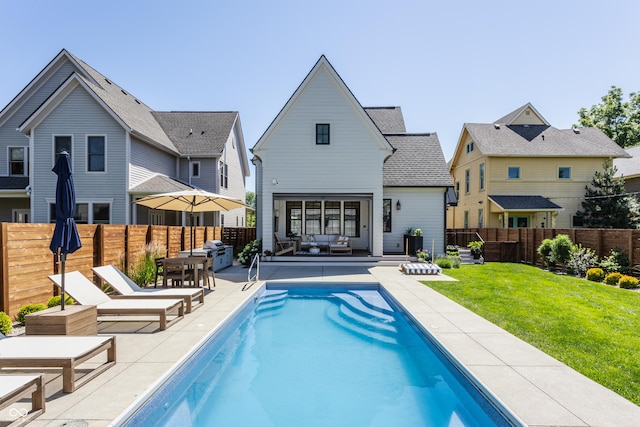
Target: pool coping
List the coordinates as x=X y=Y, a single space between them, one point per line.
x=538 y=389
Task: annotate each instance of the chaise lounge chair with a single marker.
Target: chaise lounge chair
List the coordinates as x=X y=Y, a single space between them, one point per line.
x=66 y=352
x=284 y=247
x=85 y=292
x=15 y=387
x=127 y=288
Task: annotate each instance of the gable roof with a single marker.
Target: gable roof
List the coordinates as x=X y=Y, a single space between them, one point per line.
x=519 y=116
x=417 y=161
x=159 y=184
x=197 y=133
x=388 y=119
x=322 y=65
x=629 y=167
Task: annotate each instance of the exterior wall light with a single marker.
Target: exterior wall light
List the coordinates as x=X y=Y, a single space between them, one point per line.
x=398 y=205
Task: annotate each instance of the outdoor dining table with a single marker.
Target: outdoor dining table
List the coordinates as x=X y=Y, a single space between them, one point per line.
x=194 y=263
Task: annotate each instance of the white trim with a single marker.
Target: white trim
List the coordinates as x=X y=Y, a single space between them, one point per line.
x=89 y=203
x=86 y=153
x=53 y=148
x=25 y=160
x=192 y=163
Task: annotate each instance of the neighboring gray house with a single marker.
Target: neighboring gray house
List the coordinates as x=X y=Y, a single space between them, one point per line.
x=629 y=168
x=328 y=166
x=120 y=150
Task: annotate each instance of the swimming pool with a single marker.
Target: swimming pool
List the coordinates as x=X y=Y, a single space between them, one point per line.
x=328 y=356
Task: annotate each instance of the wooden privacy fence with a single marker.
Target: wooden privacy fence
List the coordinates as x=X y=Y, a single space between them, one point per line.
x=521 y=244
x=27 y=261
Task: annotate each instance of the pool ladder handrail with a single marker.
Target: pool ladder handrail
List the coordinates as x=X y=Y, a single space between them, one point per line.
x=256 y=262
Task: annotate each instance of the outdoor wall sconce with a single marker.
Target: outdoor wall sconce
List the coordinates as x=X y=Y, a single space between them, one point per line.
x=274 y=181
x=398 y=205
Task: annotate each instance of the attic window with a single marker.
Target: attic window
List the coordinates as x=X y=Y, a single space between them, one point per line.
x=527 y=113
x=322 y=134
x=470 y=146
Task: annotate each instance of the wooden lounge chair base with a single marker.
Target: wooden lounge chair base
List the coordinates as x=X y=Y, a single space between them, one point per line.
x=60 y=355
x=137 y=310
x=14 y=388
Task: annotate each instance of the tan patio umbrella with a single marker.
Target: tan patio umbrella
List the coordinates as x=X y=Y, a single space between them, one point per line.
x=194 y=200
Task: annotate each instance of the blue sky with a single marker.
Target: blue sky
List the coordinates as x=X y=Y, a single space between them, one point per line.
x=445 y=63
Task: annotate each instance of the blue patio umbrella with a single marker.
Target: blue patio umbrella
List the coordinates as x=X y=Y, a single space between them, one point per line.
x=65 y=235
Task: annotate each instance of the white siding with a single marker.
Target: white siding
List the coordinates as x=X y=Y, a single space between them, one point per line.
x=236 y=184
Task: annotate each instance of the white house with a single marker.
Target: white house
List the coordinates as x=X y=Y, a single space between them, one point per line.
x=328 y=166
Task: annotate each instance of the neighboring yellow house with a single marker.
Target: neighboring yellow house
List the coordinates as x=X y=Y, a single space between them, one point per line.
x=522 y=172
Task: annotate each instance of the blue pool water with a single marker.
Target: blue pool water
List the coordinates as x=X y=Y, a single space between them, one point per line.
x=319 y=357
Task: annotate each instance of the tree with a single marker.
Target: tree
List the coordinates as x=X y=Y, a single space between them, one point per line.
x=250 y=200
x=607 y=204
x=619 y=120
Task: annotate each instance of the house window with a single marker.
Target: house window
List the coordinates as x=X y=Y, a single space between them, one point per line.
x=470 y=147
x=578 y=221
x=87 y=213
x=458 y=190
x=95 y=154
x=224 y=175
x=481 y=176
x=17 y=161
x=513 y=172
x=331 y=217
x=322 y=134
x=466 y=219
x=480 y=218
x=518 y=222
x=386 y=215
x=294 y=215
x=352 y=219
x=467 y=181
x=60 y=144
x=195 y=169
x=101 y=213
x=564 y=172
x=312 y=218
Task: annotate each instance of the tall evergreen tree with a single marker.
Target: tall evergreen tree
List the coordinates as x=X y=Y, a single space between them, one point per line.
x=607 y=204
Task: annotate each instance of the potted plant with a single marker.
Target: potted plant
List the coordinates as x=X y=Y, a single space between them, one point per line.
x=423 y=255
x=413 y=240
x=267 y=255
x=476 y=248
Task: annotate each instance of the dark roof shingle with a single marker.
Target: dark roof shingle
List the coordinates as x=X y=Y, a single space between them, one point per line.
x=418 y=161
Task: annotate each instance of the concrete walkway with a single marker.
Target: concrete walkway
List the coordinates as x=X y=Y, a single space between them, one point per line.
x=540 y=390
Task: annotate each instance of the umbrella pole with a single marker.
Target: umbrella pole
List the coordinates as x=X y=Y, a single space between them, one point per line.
x=63 y=258
x=192 y=236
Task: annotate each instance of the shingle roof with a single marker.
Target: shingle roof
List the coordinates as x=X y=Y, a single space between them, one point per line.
x=14 y=182
x=542 y=141
x=197 y=133
x=388 y=119
x=159 y=184
x=629 y=167
x=515 y=203
x=128 y=108
x=417 y=162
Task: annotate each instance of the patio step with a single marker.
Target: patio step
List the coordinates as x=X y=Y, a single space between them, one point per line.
x=465 y=256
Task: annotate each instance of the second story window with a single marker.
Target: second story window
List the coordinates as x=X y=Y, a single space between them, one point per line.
x=513 y=172
x=60 y=144
x=195 y=169
x=95 y=154
x=470 y=147
x=564 y=172
x=17 y=161
x=467 y=181
x=322 y=134
x=481 y=176
x=224 y=175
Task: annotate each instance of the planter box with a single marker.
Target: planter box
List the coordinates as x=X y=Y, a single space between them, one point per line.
x=412 y=244
x=74 y=320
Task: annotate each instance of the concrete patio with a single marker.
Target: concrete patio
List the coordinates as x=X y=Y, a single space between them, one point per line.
x=540 y=390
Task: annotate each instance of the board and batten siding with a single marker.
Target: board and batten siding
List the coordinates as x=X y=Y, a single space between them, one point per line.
x=148 y=161
x=420 y=208
x=9 y=136
x=79 y=115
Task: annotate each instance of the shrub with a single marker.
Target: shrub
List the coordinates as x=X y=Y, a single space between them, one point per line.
x=612 y=278
x=6 y=325
x=561 y=249
x=452 y=250
x=544 y=250
x=444 y=263
x=581 y=259
x=617 y=261
x=55 y=301
x=628 y=282
x=28 y=309
x=595 y=274
x=249 y=251
x=455 y=260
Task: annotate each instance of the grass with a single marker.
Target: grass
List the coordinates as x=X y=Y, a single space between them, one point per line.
x=591 y=327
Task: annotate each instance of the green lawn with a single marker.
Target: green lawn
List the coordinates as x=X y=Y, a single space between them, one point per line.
x=593 y=328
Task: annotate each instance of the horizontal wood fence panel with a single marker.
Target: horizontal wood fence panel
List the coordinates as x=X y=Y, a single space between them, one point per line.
x=26 y=260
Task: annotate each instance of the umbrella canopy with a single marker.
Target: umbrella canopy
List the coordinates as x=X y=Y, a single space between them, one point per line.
x=191 y=201
x=65 y=238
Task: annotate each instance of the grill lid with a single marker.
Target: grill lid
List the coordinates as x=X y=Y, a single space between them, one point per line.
x=213 y=244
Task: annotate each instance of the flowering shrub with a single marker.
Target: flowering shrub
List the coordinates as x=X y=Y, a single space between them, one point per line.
x=423 y=255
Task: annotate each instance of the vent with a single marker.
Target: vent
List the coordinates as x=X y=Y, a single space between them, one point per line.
x=496 y=125
x=108 y=81
x=576 y=130
x=138 y=101
x=122 y=90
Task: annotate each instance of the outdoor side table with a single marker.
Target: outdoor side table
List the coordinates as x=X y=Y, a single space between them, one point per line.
x=79 y=320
